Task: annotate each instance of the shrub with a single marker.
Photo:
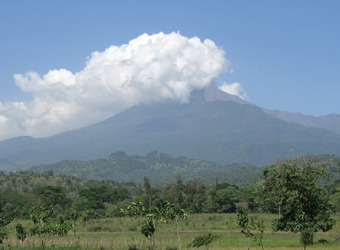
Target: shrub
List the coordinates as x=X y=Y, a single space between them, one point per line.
x=203 y=240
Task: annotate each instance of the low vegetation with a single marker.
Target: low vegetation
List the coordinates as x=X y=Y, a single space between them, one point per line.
x=124 y=233
x=290 y=206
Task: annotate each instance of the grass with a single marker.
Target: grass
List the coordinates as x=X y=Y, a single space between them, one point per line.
x=122 y=233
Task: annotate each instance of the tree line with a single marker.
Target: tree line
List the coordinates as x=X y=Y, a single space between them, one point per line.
x=291 y=188
x=20 y=190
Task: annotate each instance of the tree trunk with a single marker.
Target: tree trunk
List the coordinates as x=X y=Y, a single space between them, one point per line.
x=178 y=236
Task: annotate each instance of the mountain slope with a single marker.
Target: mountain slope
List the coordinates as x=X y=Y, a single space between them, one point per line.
x=219 y=131
x=330 y=122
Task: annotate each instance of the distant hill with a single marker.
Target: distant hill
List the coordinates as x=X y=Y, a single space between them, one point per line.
x=330 y=122
x=158 y=167
x=162 y=168
x=213 y=126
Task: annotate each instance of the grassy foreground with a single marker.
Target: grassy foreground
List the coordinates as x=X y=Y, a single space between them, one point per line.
x=124 y=233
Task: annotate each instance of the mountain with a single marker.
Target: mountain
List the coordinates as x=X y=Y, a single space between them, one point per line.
x=160 y=168
x=213 y=126
x=330 y=122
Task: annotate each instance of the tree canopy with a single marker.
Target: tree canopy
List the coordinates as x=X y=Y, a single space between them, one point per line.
x=293 y=186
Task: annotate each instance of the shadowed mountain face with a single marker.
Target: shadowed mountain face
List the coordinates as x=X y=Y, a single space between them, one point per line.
x=330 y=122
x=224 y=129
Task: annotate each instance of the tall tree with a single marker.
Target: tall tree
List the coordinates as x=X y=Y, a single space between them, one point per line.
x=148 y=192
x=195 y=196
x=293 y=185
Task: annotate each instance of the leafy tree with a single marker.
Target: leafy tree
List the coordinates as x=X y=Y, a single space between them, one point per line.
x=45 y=224
x=174 y=192
x=148 y=193
x=80 y=203
x=21 y=232
x=210 y=205
x=163 y=213
x=226 y=199
x=293 y=185
x=195 y=196
x=13 y=202
x=249 y=195
x=77 y=219
x=51 y=195
x=40 y=216
x=250 y=228
x=95 y=197
x=166 y=212
x=138 y=210
x=221 y=198
x=5 y=219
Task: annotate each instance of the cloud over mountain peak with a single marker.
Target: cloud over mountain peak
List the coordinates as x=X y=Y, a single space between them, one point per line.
x=150 y=68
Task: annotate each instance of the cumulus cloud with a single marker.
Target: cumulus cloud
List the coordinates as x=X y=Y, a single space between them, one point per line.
x=234 y=88
x=150 y=68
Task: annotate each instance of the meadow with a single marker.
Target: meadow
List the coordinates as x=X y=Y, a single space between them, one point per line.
x=124 y=233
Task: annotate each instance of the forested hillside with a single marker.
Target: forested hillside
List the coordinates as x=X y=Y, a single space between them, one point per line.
x=159 y=167
x=21 y=190
x=59 y=201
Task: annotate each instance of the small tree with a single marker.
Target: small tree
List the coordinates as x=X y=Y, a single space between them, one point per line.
x=138 y=210
x=164 y=213
x=45 y=224
x=78 y=218
x=5 y=219
x=250 y=228
x=293 y=184
x=20 y=232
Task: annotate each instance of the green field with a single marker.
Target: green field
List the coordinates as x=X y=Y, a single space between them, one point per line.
x=122 y=233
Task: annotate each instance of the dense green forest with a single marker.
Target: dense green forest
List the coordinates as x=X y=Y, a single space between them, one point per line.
x=307 y=186
x=158 y=167
x=20 y=190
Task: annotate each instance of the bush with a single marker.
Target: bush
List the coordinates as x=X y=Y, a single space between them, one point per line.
x=203 y=240
x=21 y=232
x=133 y=247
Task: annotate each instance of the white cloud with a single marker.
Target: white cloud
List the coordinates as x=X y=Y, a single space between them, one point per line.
x=234 y=88
x=150 y=68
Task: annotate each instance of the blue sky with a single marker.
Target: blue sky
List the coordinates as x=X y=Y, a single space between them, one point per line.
x=284 y=54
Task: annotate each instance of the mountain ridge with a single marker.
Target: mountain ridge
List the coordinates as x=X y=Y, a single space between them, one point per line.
x=330 y=122
x=213 y=126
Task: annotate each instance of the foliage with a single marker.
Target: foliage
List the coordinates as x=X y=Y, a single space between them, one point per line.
x=203 y=240
x=20 y=232
x=77 y=218
x=46 y=224
x=165 y=212
x=3 y=235
x=5 y=219
x=20 y=190
x=250 y=228
x=158 y=167
x=293 y=185
x=14 y=202
x=121 y=233
x=52 y=195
